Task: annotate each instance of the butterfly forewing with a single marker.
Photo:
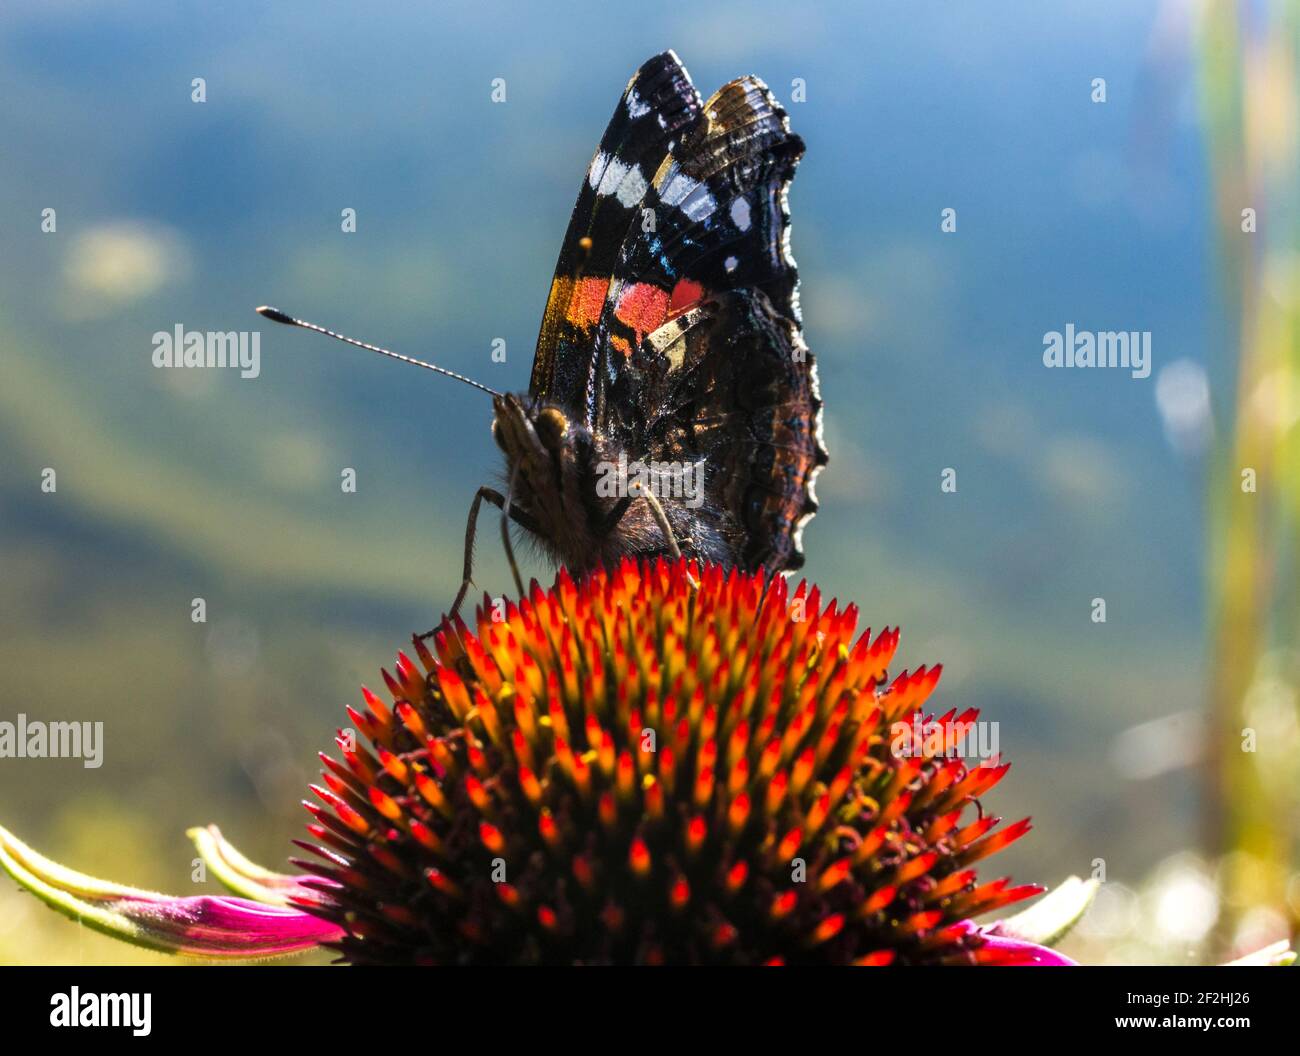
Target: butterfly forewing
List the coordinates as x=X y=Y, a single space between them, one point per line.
x=658 y=105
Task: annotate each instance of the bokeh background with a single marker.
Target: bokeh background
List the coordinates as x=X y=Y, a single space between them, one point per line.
x=1072 y=484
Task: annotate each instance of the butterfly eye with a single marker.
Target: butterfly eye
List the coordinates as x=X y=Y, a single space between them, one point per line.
x=496 y=435
x=551 y=425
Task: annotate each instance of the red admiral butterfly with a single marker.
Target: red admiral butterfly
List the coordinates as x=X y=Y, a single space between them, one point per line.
x=673 y=406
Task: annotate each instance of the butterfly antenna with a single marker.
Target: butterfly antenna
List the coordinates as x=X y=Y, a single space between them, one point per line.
x=277 y=316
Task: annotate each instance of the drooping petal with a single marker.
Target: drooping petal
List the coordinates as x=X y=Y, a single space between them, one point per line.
x=242 y=876
x=217 y=926
x=1053 y=916
x=999 y=950
x=198 y=925
x=1004 y=951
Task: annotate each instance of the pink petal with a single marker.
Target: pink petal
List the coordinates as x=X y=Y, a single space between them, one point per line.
x=199 y=925
x=1002 y=951
x=215 y=925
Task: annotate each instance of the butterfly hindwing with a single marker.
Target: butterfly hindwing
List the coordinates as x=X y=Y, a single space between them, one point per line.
x=730 y=383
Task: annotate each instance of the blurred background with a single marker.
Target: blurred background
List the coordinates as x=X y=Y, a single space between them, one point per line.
x=1072 y=485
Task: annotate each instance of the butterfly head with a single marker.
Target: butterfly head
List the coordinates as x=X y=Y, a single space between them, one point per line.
x=543 y=449
x=528 y=432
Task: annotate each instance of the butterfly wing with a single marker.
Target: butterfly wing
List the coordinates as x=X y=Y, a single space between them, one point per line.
x=657 y=107
x=673 y=322
x=700 y=351
x=730 y=384
x=713 y=218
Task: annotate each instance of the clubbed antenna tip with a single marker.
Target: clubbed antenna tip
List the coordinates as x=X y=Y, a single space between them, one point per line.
x=275 y=315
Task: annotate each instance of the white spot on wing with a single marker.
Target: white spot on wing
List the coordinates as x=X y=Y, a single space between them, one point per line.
x=598 y=164
x=674 y=185
x=740 y=213
x=614 y=173
x=635 y=107
x=730 y=264
x=690 y=196
x=632 y=188
x=624 y=182
x=700 y=204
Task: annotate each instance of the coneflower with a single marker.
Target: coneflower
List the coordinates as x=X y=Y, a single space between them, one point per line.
x=661 y=763
x=632 y=770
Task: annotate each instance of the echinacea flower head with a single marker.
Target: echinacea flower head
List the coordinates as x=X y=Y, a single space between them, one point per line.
x=661 y=763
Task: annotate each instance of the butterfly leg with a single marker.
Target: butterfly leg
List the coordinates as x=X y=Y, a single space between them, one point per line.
x=656 y=508
x=661 y=519
x=506 y=512
x=498 y=500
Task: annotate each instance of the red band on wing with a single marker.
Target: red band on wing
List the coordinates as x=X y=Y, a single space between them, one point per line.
x=686 y=295
x=642 y=306
x=645 y=307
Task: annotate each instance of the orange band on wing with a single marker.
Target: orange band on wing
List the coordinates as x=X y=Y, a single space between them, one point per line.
x=587 y=302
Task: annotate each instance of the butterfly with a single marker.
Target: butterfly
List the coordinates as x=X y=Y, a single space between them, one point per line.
x=673 y=406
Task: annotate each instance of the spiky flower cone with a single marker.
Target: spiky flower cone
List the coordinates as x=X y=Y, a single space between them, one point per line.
x=630 y=769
